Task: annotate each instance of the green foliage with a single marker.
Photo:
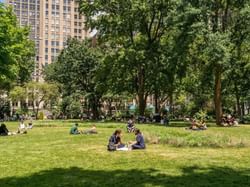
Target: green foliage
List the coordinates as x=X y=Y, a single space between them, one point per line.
x=201 y=115
x=35 y=92
x=78 y=71
x=16 y=50
x=134 y=32
x=195 y=139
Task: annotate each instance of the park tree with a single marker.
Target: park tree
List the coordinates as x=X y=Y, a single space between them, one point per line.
x=212 y=45
x=77 y=70
x=16 y=50
x=36 y=93
x=238 y=75
x=133 y=30
x=41 y=93
x=19 y=94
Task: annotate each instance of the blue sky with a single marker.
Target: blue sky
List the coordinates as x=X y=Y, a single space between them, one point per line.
x=1 y=0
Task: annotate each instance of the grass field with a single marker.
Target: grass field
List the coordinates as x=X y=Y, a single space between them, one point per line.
x=49 y=156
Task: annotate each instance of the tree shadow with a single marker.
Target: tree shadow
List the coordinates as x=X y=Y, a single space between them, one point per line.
x=77 y=177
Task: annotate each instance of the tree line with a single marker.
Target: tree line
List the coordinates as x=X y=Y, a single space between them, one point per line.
x=190 y=53
x=166 y=48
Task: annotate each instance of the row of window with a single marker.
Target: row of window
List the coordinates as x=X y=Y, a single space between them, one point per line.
x=53 y=43
x=57 y=1
x=53 y=50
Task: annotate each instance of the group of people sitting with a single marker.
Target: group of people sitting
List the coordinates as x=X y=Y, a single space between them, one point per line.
x=197 y=125
x=22 y=129
x=229 y=121
x=74 y=130
x=116 y=144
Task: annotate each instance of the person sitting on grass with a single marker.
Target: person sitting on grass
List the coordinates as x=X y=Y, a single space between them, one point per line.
x=115 y=141
x=130 y=126
x=202 y=125
x=91 y=131
x=22 y=128
x=74 y=129
x=3 y=130
x=196 y=125
x=139 y=143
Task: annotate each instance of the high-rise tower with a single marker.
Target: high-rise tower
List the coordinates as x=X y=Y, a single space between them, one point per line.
x=52 y=22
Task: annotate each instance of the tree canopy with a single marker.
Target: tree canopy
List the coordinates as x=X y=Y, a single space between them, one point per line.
x=16 y=50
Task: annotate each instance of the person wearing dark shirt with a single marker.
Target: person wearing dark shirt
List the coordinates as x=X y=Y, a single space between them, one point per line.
x=3 y=130
x=74 y=129
x=130 y=126
x=139 y=143
x=115 y=141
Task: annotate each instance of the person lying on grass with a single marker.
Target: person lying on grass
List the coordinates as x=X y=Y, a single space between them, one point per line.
x=139 y=143
x=91 y=131
x=74 y=129
x=115 y=141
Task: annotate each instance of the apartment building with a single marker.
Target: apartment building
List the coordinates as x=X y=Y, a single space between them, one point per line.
x=52 y=22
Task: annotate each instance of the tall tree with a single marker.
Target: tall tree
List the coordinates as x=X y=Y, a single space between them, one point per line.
x=213 y=22
x=134 y=30
x=77 y=70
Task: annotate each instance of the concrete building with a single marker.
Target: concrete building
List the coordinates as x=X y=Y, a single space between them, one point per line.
x=52 y=22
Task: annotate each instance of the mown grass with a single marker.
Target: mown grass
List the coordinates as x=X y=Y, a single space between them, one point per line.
x=49 y=156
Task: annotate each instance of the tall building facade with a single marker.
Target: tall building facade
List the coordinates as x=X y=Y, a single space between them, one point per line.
x=52 y=22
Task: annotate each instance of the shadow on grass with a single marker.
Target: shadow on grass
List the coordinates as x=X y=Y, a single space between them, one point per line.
x=77 y=177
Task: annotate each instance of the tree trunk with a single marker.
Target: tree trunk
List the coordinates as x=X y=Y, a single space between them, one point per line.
x=171 y=107
x=110 y=107
x=37 y=110
x=217 y=96
x=156 y=102
x=95 y=107
x=242 y=109
x=238 y=101
x=141 y=91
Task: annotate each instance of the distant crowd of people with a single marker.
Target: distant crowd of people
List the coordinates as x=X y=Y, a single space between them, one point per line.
x=115 y=142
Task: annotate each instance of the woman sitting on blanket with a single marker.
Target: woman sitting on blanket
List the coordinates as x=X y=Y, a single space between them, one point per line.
x=139 y=143
x=115 y=141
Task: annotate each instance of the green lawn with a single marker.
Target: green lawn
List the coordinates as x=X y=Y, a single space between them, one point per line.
x=49 y=156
